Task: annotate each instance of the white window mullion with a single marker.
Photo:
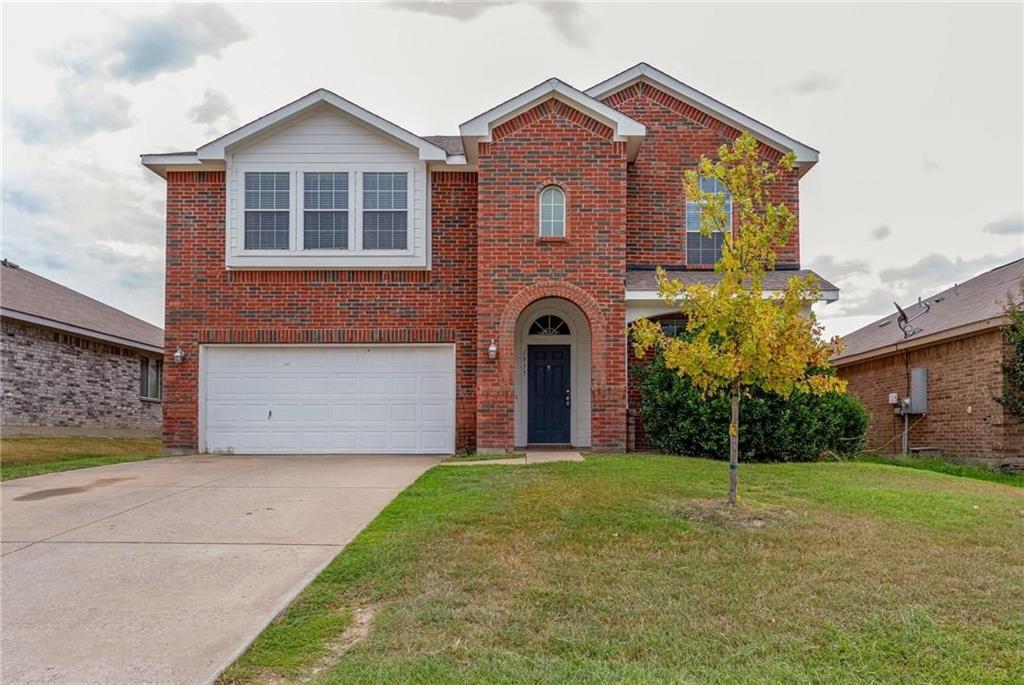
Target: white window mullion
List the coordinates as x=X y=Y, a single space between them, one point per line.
x=298 y=236
x=357 y=233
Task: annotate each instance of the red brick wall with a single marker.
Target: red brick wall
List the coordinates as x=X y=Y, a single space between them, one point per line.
x=551 y=144
x=962 y=374
x=207 y=304
x=677 y=137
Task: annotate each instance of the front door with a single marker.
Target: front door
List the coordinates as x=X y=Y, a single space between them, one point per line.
x=547 y=394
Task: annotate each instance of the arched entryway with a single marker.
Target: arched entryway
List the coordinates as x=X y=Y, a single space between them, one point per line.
x=552 y=374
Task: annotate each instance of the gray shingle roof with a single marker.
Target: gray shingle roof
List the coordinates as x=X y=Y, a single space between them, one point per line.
x=644 y=279
x=23 y=292
x=980 y=300
x=450 y=144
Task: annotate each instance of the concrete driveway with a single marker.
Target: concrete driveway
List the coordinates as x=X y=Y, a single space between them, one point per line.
x=163 y=571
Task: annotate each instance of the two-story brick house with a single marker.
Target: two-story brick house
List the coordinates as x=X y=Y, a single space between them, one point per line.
x=336 y=283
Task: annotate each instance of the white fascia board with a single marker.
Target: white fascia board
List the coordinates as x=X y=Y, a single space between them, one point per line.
x=805 y=155
x=654 y=296
x=161 y=163
x=479 y=128
x=217 y=149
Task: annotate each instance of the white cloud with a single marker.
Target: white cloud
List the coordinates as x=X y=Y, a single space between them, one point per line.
x=175 y=40
x=215 y=108
x=143 y=48
x=838 y=270
x=1008 y=225
x=565 y=17
x=934 y=271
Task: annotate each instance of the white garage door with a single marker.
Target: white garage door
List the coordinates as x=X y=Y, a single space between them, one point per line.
x=323 y=399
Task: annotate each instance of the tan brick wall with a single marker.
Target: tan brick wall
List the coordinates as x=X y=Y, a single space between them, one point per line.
x=963 y=420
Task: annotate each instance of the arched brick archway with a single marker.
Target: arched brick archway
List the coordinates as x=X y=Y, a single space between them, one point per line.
x=496 y=378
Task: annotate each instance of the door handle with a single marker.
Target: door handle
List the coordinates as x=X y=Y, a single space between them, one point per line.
x=270 y=412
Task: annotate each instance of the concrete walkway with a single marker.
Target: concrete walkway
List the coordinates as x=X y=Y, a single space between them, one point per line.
x=531 y=457
x=163 y=571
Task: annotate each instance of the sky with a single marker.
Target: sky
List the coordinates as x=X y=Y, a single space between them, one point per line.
x=917 y=110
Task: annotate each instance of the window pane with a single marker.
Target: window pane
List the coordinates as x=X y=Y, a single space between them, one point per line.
x=385 y=230
x=266 y=190
x=325 y=231
x=144 y=377
x=266 y=230
x=385 y=190
x=552 y=213
x=704 y=250
x=325 y=190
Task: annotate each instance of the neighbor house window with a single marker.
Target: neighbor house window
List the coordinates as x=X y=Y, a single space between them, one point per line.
x=151 y=378
x=385 y=210
x=701 y=249
x=266 y=210
x=552 y=213
x=325 y=211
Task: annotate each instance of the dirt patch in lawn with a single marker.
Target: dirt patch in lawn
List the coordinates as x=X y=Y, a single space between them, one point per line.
x=718 y=512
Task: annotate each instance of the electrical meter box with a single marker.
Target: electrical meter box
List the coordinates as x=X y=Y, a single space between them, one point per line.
x=918 y=391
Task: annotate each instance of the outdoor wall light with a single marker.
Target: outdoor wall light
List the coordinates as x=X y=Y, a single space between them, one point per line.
x=179 y=355
x=492 y=350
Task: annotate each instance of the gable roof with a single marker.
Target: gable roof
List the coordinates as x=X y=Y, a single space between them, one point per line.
x=28 y=297
x=215 y=150
x=969 y=307
x=479 y=128
x=806 y=156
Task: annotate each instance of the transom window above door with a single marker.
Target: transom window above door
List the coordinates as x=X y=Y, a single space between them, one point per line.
x=549 y=324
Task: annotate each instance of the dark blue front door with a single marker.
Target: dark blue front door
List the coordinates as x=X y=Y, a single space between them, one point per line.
x=547 y=394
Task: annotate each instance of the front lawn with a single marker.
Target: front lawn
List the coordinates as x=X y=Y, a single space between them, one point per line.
x=618 y=570
x=20 y=457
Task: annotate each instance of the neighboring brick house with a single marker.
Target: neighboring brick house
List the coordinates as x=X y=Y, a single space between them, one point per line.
x=958 y=340
x=336 y=283
x=71 y=365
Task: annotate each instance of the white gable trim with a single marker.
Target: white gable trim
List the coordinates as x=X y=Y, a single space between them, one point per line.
x=216 y=150
x=161 y=163
x=805 y=155
x=479 y=128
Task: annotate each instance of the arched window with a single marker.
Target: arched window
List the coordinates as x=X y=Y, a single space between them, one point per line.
x=552 y=212
x=549 y=325
x=706 y=249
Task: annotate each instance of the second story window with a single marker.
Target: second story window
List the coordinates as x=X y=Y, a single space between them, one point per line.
x=552 y=213
x=266 y=210
x=385 y=210
x=702 y=249
x=325 y=211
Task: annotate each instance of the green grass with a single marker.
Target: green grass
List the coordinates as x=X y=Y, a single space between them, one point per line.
x=594 y=573
x=944 y=466
x=21 y=457
x=486 y=457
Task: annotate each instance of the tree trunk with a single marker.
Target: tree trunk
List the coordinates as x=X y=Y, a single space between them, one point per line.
x=734 y=444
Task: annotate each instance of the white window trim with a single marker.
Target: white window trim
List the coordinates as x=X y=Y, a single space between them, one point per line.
x=298 y=258
x=540 y=212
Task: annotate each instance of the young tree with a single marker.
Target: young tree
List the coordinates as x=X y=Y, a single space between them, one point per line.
x=1013 y=369
x=738 y=336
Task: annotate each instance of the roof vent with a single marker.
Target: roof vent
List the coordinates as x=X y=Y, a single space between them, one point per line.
x=10 y=264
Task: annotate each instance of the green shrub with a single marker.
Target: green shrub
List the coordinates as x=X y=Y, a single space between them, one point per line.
x=801 y=427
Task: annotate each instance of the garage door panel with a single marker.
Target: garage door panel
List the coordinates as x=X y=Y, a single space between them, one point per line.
x=329 y=399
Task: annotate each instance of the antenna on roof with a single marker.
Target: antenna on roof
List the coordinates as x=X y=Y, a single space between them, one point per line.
x=904 y=321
